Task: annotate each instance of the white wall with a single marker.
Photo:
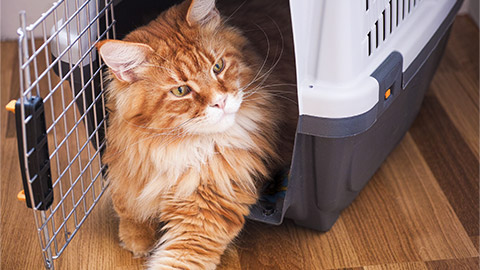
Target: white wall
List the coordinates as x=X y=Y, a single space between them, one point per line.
x=9 y=18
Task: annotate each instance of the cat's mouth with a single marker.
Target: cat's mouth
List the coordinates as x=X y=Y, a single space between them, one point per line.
x=222 y=123
x=228 y=117
x=217 y=123
x=227 y=114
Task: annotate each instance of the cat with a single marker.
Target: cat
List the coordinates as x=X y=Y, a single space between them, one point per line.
x=200 y=117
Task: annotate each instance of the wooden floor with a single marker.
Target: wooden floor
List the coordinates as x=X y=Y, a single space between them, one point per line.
x=420 y=210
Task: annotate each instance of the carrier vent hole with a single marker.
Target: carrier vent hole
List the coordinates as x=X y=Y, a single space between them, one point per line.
x=391 y=15
x=369 y=35
x=383 y=25
x=396 y=11
x=389 y=19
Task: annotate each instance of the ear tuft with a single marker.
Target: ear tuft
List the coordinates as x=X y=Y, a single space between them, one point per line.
x=202 y=12
x=123 y=57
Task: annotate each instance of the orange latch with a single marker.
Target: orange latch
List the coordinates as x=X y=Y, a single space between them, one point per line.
x=11 y=106
x=388 y=93
x=21 y=196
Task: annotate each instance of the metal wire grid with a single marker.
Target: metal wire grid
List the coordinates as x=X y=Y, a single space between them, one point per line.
x=58 y=62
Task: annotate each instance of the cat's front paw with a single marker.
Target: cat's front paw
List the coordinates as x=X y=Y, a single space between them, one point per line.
x=139 y=238
x=138 y=250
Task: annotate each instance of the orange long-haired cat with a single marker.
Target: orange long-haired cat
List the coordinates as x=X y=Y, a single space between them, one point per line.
x=199 y=117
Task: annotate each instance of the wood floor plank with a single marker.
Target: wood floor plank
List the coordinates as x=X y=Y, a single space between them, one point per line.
x=398 y=266
x=476 y=242
x=458 y=105
x=9 y=82
x=263 y=247
x=130 y=267
x=374 y=223
x=462 y=50
x=99 y=229
x=456 y=81
x=19 y=239
x=272 y=245
x=438 y=231
x=451 y=160
x=333 y=249
x=457 y=264
x=404 y=208
x=230 y=259
x=349 y=268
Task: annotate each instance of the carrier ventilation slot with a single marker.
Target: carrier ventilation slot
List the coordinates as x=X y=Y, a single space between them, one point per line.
x=390 y=18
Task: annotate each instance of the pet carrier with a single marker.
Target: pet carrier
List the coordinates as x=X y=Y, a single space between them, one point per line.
x=360 y=83
x=362 y=70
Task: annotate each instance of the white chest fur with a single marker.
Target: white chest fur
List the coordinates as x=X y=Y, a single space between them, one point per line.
x=179 y=165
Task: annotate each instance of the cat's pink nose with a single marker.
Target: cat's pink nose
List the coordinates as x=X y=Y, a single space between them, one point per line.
x=220 y=102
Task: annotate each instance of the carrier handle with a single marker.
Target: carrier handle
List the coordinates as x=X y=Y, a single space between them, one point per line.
x=38 y=182
x=11 y=108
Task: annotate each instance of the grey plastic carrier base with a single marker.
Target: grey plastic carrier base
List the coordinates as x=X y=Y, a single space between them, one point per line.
x=335 y=158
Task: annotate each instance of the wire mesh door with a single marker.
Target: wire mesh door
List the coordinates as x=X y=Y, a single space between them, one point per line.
x=61 y=117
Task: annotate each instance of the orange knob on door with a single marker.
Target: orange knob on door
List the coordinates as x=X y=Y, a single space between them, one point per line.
x=21 y=196
x=11 y=106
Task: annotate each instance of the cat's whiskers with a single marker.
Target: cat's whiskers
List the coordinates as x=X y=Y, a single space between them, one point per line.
x=165 y=142
x=155 y=135
x=154 y=128
x=273 y=93
x=264 y=60
x=134 y=144
x=264 y=76
x=269 y=90
x=281 y=84
x=199 y=121
x=281 y=49
x=225 y=21
x=275 y=90
x=258 y=86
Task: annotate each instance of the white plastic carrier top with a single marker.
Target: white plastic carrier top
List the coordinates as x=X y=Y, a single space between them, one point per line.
x=339 y=43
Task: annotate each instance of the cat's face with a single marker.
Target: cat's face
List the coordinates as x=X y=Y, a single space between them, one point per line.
x=185 y=72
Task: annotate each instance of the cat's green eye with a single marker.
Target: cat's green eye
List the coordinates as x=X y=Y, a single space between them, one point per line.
x=181 y=91
x=218 y=67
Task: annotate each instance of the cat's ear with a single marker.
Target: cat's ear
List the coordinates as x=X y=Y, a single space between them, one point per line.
x=203 y=12
x=123 y=58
